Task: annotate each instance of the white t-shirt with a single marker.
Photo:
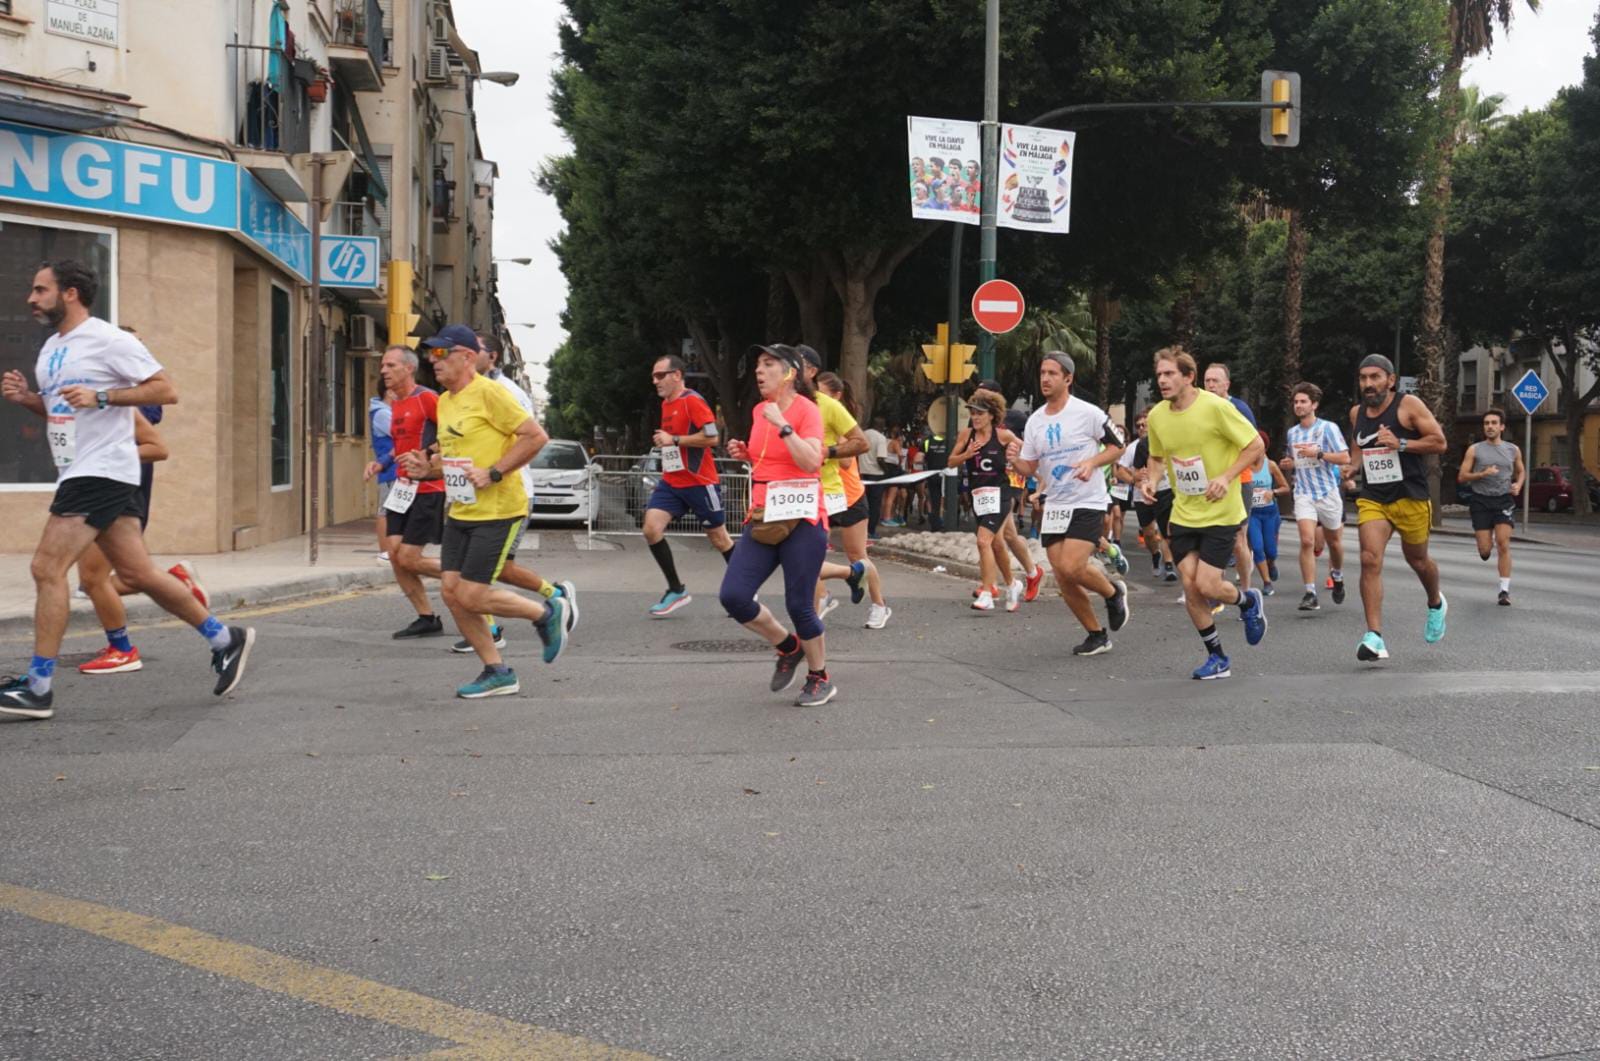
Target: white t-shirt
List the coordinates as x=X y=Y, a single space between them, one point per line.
x=1060 y=441
x=102 y=357
x=867 y=463
x=527 y=406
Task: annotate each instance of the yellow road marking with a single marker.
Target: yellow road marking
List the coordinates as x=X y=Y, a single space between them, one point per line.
x=243 y=613
x=479 y=1035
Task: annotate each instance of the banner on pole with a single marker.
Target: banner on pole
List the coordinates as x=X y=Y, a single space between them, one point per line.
x=945 y=168
x=1035 y=178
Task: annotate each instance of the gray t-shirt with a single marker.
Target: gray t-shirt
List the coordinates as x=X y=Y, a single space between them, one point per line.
x=1502 y=455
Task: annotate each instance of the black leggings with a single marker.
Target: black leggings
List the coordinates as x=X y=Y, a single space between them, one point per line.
x=800 y=555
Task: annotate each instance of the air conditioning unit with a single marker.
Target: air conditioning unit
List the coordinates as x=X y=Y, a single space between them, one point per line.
x=363 y=332
x=438 y=63
x=441 y=27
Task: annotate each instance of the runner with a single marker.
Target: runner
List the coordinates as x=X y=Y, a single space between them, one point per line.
x=91 y=376
x=842 y=437
x=1393 y=432
x=1318 y=455
x=1267 y=484
x=1017 y=422
x=871 y=471
x=1110 y=541
x=982 y=447
x=1067 y=442
x=1208 y=444
x=484 y=436
x=1494 y=470
x=1153 y=518
x=379 y=422
x=689 y=483
x=786 y=526
x=1219 y=381
x=852 y=520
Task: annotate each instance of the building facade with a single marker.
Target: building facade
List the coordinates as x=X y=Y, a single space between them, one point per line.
x=1485 y=380
x=187 y=151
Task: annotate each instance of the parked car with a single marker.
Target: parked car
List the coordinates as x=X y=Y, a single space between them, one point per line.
x=564 y=490
x=1551 y=489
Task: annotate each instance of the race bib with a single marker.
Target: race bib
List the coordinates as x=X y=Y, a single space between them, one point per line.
x=986 y=501
x=672 y=459
x=62 y=430
x=1057 y=517
x=1189 y=474
x=1120 y=491
x=401 y=494
x=1381 y=465
x=834 y=503
x=457 y=487
x=1306 y=464
x=792 y=499
x=1262 y=497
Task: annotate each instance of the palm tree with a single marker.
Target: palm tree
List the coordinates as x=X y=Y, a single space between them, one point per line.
x=1479 y=114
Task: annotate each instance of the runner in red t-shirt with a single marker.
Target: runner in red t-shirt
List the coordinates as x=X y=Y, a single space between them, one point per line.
x=688 y=483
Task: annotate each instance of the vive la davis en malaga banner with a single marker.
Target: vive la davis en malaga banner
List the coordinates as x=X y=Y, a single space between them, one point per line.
x=945 y=183
x=1035 y=174
x=1035 y=178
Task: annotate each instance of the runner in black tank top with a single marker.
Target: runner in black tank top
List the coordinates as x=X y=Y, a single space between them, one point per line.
x=982 y=447
x=1393 y=433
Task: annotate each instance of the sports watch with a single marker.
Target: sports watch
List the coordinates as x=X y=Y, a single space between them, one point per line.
x=494 y=475
x=102 y=398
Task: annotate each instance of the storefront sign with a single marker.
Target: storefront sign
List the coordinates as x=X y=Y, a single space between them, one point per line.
x=349 y=261
x=94 y=21
x=267 y=223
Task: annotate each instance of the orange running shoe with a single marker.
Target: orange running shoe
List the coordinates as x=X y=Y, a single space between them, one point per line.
x=1031 y=587
x=184 y=572
x=113 y=661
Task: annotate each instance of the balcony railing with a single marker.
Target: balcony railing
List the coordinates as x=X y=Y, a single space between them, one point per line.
x=272 y=111
x=360 y=22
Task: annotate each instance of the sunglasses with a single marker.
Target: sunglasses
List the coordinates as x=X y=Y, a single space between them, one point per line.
x=658 y=376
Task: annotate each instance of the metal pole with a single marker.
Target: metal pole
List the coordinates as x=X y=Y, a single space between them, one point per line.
x=1527 y=463
x=952 y=503
x=313 y=475
x=991 y=169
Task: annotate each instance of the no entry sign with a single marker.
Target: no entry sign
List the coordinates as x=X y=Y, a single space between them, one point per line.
x=997 y=306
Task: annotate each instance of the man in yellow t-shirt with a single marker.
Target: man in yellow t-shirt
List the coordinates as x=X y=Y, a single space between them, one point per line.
x=1203 y=444
x=485 y=436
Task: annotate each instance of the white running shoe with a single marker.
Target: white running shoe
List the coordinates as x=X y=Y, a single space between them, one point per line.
x=878 y=616
x=829 y=603
x=985 y=601
x=1014 y=595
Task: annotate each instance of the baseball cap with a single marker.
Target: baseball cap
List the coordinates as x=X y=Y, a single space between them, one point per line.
x=988 y=385
x=452 y=335
x=811 y=356
x=787 y=354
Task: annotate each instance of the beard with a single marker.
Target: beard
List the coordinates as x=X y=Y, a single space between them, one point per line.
x=1372 y=397
x=51 y=315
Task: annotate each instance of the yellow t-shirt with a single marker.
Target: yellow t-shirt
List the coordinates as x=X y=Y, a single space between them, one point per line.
x=836 y=423
x=1215 y=432
x=481 y=423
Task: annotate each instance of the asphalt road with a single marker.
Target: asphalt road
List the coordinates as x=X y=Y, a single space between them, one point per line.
x=983 y=849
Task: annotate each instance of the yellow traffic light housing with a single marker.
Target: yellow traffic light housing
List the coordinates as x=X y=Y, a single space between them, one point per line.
x=1280 y=124
x=961 y=364
x=937 y=356
x=401 y=320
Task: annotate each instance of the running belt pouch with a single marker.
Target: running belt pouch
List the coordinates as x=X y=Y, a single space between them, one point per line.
x=770 y=533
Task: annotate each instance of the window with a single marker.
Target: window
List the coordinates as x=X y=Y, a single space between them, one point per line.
x=561 y=456
x=25 y=462
x=282 y=447
x=1469 y=386
x=1558 y=451
x=1499 y=385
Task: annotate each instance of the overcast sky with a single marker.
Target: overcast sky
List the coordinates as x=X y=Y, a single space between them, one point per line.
x=1543 y=52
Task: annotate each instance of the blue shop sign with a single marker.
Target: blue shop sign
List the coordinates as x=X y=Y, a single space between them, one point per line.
x=114 y=177
x=349 y=261
x=271 y=226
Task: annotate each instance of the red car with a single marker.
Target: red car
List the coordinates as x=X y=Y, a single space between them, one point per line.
x=1551 y=490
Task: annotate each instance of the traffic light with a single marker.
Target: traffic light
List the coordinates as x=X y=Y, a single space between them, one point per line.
x=1280 y=126
x=401 y=319
x=961 y=366
x=937 y=356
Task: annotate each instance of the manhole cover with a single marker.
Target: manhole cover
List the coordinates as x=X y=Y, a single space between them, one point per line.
x=742 y=645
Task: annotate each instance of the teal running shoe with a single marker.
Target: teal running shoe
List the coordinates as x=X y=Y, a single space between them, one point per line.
x=552 y=629
x=490 y=683
x=1372 y=648
x=1433 y=632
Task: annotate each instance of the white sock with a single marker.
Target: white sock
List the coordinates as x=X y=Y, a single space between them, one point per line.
x=1505 y=585
x=1310 y=588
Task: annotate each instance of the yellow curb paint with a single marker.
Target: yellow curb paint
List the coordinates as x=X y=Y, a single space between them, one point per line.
x=478 y=1035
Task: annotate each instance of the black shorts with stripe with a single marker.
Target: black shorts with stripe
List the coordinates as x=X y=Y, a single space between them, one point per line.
x=478 y=550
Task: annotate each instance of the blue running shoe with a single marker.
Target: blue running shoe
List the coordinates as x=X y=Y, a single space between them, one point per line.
x=1371 y=648
x=552 y=629
x=858 y=571
x=670 y=602
x=490 y=683
x=1254 y=615
x=1433 y=632
x=18 y=698
x=1120 y=562
x=1215 y=666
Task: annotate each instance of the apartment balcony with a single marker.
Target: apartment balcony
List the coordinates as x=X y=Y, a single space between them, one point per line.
x=356 y=51
x=358 y=219
x=272 y=115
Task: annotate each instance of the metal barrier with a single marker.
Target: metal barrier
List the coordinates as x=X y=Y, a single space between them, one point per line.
x=621 y=486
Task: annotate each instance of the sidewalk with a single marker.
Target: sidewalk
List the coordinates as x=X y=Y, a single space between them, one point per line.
x=280 y=571
x=1559 y=530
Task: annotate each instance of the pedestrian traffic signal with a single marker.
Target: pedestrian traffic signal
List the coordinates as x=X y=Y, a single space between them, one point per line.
x=936 y=363
x=1280 y=126
x=961 y=366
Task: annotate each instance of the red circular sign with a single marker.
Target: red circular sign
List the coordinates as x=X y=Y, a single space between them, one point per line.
x=997 y=306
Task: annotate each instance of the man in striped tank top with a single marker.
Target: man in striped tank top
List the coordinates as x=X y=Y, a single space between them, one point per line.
x=1315 y=452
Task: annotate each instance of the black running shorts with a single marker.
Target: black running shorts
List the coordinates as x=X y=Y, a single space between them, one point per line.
x=1086 y=525
x=1214 y=544
x=422 y=523
x=478 y=550
x=101 y=502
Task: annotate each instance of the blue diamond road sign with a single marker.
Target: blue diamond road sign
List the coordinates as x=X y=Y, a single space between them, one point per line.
x=1530 y=391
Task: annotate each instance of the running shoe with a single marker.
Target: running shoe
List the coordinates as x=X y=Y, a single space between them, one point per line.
x=1433 y=631
x=1371 y=648
x=490 y=683
x=1117 y=610
x=17 y=699
x=553 y=628
x=1097 y=642
x=818 y=691
x=1014 y=595
x=1505 y=598
x=985 y=601
x=1309 y=603
x=878 y=616
x=829 y=603
x=1268 y=591
x=858 y=571
x=422 y=626
x=464 y=646
x=1114 y=554
x=113 y=661
x=229 y=663
x=783 y=674
x=1254 y=614
x=1328 y=584
x=1216 y=607
x=1338 y=589
x=670 y=601
x=184 y=572
x=569 y=593
x=1272 y=570
x=382 y=558
x=1215 y=666
x=1034 y=581
x=1170 y=574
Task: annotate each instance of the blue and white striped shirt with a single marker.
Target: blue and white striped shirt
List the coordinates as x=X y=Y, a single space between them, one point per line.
x=1316 y=478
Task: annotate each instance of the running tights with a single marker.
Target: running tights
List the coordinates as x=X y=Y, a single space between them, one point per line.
x=800 y=555
x=1264 y=523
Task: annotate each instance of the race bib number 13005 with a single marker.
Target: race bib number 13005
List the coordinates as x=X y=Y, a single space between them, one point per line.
x=792 y=499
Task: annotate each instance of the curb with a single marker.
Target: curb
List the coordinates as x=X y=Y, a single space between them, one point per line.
x=141 y=607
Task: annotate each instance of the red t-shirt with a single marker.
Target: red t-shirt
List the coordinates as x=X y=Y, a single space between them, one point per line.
x=769 y=455
x=686 y=415
x=414 y=425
